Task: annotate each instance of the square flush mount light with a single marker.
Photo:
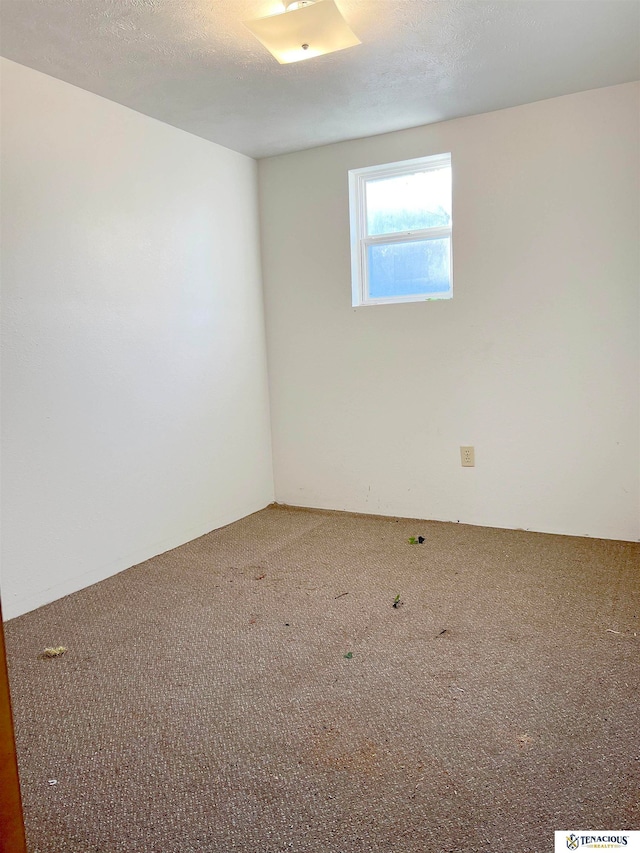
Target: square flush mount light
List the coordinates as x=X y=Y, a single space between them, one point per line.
x=305 y=29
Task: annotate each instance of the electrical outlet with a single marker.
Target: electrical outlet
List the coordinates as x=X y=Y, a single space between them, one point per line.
x=467 y=457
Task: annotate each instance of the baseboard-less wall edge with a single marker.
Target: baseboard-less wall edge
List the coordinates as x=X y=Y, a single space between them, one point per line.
x=14 y=606
x=333 y=511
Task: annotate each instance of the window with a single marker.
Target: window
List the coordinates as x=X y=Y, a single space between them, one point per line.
x=401 y=231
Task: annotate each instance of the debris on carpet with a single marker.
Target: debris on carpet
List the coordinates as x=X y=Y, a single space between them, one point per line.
x=260 y=577
x=348 y=655
x=55 y=652
x=342 y=594
x=397 y=602
x=416 y=540
x=444 y=631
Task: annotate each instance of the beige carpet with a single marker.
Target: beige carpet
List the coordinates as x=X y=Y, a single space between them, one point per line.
x=227 y=696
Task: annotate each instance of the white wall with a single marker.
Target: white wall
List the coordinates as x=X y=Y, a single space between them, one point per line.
x=134 y=394
x=535 y=361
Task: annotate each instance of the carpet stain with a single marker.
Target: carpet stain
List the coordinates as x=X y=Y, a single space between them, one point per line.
x=334 y=749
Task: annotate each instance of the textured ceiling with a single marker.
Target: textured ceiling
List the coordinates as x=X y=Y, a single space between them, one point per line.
x=192 y=63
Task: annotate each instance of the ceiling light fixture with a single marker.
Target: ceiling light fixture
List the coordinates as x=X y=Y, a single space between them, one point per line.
x=305 y=29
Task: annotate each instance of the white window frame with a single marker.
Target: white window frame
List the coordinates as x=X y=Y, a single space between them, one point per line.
x=360 y=240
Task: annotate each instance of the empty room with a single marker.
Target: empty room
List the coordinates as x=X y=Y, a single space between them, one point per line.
x=320 y=426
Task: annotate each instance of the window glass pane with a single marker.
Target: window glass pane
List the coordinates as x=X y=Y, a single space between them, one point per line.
x=409 y=202
x=409 y=269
